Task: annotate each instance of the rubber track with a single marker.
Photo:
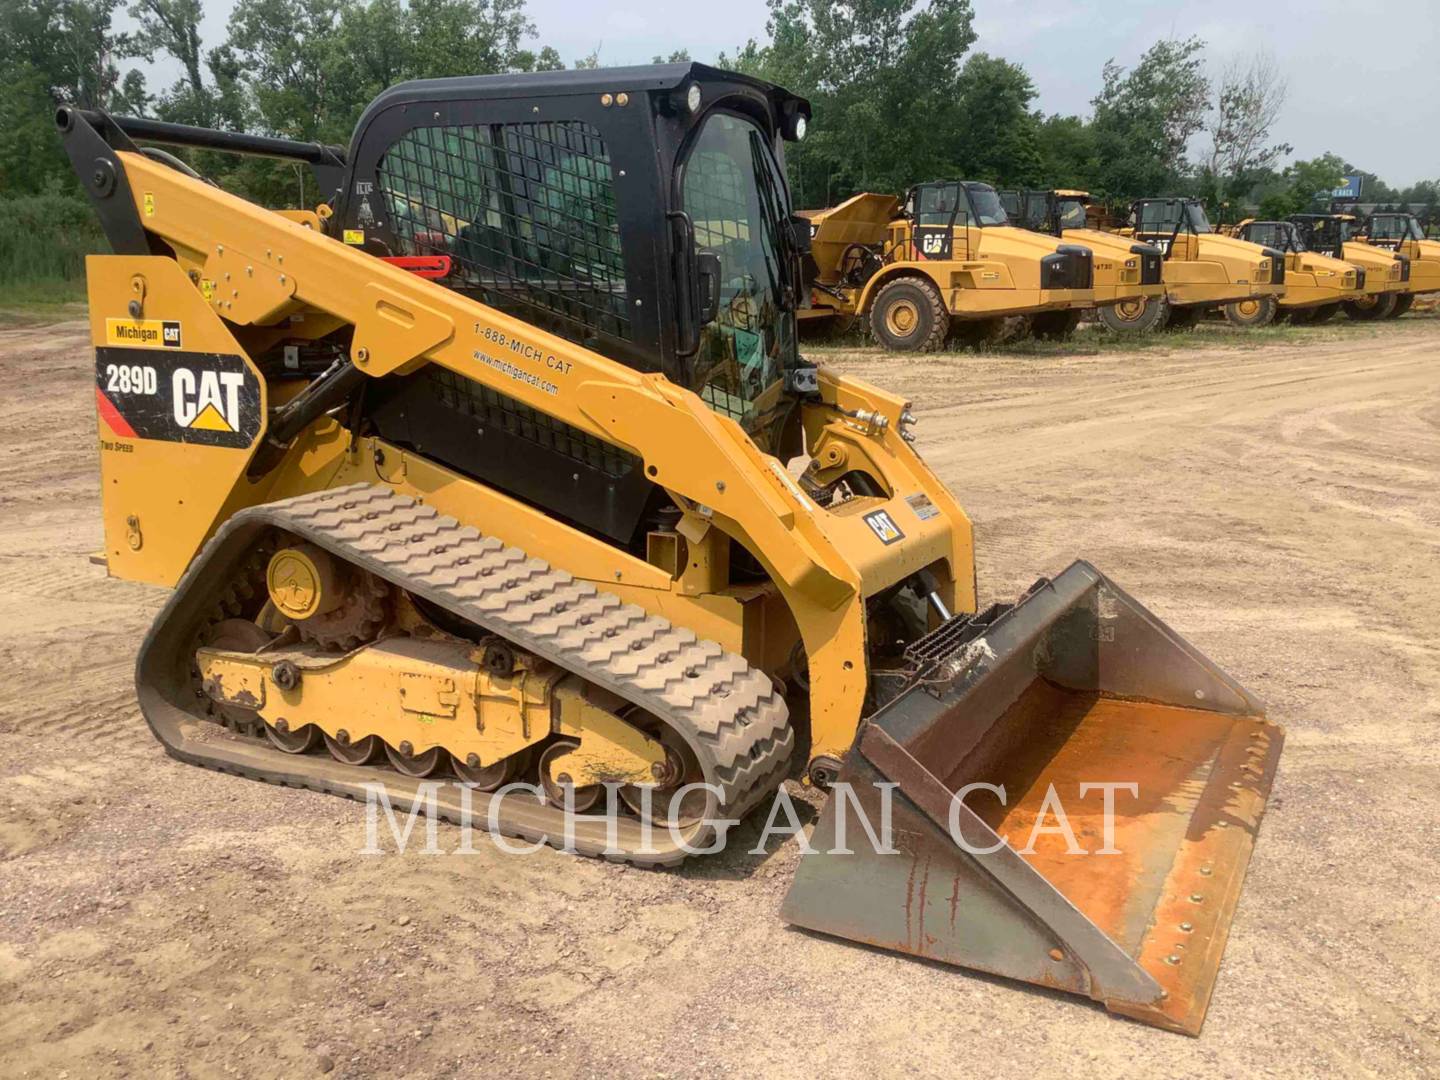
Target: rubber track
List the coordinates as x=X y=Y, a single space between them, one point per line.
x=729 y=712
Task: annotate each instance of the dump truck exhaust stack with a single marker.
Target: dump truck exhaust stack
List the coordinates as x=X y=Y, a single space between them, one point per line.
x=1015 y=730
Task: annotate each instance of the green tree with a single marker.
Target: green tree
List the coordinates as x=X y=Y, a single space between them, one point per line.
x=884 y=79
x=994 y=136
x=58 y=51
x=1303 y=185
x=1067 y=152
x=1145 y=117
x=172 y=28
x=1249 y=95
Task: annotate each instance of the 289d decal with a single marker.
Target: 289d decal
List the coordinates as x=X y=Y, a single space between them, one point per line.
x=207 y=398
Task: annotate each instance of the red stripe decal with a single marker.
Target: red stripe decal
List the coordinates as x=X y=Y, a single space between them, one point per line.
x=111 y=415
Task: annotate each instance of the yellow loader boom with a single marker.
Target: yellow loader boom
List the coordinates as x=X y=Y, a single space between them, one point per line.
x=502 y=467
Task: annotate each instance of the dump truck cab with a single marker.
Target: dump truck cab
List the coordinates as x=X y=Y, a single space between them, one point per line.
x=1126 y=271
x=1337 y=235
x=1315 y=284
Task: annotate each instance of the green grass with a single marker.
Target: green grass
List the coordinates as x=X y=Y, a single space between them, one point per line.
x=37 y=303
x=43 y=243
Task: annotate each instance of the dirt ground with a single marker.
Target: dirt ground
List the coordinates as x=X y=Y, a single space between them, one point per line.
x=1278 y=504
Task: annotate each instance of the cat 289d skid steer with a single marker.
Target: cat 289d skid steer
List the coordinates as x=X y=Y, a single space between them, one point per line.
x=502 y=466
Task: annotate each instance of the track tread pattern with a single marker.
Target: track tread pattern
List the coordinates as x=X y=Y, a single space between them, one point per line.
x=731 y=713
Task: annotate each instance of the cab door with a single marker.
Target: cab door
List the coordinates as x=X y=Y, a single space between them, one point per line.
x=941 y=223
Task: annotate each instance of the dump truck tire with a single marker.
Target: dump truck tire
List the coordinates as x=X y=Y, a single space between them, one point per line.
x=1402 y=305
x=1254 y=311
x=1371 y=307
x=1135 y=315
x=908 y=315
x=1323 y=314
x=1055 y=325
x=978 y=333
x=1179 y=319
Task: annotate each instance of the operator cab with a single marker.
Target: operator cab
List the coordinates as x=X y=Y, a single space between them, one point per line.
x=1161 y=221
x=640 y=212
x=1280 y=235
x=1390 y=230
x=1324 y=233
x=1054 y=211
x=955 y=202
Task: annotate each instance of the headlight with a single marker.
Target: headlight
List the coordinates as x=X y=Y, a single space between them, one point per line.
x=1130 y=264
x=801 y=126
x=692 y=98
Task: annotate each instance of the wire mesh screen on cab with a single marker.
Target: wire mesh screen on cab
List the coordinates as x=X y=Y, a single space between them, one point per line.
x=527 y=213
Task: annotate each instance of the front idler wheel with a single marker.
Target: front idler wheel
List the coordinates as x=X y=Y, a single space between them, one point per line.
x=680 y=768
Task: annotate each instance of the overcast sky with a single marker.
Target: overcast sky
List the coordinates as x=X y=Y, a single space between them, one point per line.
x=1364 y=78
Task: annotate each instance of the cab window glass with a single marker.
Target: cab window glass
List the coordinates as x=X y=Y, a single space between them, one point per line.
x=1158 y=216
x=940 y=203
x=526 y=211
x=735 y=195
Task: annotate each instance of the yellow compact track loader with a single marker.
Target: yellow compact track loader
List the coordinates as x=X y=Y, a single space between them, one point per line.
x=501 y=467
x=944 y=261
x=1336 y=235
x=1126 y=272
x=1203 y=270
x=1316 y=285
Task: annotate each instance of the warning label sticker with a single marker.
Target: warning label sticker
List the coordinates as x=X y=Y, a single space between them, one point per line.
x=923 y=507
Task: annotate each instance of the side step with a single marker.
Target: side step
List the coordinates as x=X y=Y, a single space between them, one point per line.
x=1076 y=684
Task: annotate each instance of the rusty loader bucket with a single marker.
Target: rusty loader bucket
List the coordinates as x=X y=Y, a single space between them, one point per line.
x=1076 y=684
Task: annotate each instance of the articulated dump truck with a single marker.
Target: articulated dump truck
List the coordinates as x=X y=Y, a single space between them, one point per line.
x=943 y=262
x=1126 y=272
x=1203 y=270
x=1338 y=235
x=1401 y=234
x=1316 y=285
x=501 y=467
